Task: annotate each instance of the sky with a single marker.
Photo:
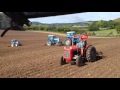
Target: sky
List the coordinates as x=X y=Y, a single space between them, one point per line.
x=78 y=17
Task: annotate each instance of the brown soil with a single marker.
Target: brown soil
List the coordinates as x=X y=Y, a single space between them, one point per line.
x=36 y=60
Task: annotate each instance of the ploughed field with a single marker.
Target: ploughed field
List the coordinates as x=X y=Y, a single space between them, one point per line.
x=36 y=60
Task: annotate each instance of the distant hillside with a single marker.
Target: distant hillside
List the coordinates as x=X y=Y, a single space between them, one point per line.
x=60 y=24
x=117 y=20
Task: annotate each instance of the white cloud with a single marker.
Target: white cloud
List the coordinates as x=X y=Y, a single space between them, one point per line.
x=79 y=17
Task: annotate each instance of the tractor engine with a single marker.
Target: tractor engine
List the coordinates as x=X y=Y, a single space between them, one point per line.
x=70 y=53
x=56 y=40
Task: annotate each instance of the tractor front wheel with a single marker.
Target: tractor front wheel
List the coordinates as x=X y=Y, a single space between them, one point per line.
x=62 y=61
x=79 y=61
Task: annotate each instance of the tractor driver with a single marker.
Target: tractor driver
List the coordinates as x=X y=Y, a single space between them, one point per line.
x=82 y=42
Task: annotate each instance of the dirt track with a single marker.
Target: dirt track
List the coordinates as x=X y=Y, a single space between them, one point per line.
x=35 y=60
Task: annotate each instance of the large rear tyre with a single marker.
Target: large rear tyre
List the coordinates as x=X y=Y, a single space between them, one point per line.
x=79 y=61
x=49 y=43
x=91 y=54
x=68 y=42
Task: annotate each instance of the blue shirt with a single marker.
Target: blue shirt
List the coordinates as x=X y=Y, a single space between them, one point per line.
x=81 y=44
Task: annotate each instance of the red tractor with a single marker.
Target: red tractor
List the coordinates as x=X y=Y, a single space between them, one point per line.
x=79 y=53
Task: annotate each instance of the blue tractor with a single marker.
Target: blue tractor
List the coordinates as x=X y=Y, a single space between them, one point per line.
x=52 y=40
x=15 y=42
x=71 y=38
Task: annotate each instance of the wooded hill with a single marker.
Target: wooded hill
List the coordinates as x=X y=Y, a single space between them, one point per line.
x=4 y=21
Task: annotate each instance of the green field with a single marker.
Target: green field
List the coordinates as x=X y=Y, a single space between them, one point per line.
x=104 y=32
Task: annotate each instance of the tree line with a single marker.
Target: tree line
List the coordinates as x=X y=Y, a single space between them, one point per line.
x=4 y=21
x=91 y=26
x=52 y=28
x=104 y=25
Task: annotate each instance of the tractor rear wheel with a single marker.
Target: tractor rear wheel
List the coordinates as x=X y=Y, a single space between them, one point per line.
x=62 y=61
x=49 y=43
x=91 y=54
x=68 y=42
x=79 y=61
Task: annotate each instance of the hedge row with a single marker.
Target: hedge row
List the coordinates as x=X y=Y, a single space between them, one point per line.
x=62 y=29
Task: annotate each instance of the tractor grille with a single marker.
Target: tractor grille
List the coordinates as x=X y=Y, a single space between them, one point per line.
x=67 y=54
